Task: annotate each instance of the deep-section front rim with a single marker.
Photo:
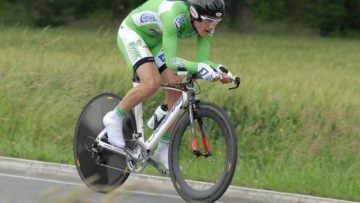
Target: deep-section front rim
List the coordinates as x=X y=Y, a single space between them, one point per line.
x=205 y=111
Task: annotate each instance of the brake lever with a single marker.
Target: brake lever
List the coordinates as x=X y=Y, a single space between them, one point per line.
x=237 y=83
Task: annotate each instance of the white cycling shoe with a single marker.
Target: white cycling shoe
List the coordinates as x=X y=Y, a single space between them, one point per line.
x=161 y=155
x=113 y=126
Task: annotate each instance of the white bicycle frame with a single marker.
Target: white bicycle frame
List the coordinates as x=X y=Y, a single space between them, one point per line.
x=155 y=137
x=173 y=114
x=169 y=119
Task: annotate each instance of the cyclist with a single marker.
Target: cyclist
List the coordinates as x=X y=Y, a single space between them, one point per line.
x=148 y=39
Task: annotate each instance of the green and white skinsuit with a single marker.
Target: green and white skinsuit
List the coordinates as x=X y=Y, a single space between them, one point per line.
x=150 y=33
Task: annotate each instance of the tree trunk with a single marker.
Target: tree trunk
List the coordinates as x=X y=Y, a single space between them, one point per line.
x=241 y=16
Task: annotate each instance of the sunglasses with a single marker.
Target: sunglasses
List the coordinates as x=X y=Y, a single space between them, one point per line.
x=210 y=21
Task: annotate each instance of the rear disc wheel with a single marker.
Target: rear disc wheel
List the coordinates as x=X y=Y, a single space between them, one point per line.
x=97 y=177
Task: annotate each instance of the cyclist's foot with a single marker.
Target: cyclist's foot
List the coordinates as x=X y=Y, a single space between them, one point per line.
x=161 y=155
x=113 y=126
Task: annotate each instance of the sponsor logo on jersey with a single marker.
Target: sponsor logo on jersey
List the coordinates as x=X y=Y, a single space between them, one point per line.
x=162 y=57
x=134 y=51
x=180 y=20
x=177 y=62
x=147 y=18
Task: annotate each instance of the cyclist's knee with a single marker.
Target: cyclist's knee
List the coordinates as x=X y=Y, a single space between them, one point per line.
x=150 y=79
x=152 y=85
x=170 y=77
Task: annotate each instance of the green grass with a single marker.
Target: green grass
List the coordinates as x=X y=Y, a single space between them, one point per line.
x=296 y=114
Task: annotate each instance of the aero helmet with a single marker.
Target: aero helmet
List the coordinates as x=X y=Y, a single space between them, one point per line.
x=211 y=8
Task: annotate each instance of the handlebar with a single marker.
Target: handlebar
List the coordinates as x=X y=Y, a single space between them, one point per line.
x=192 y=77
x=236 y=80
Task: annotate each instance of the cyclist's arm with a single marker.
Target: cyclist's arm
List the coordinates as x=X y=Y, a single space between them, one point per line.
x=203 y=50
x=203 y=53
x=170 y=44
x=170 y=47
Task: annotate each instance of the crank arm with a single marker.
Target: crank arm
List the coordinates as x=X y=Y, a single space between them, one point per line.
x=133 y=155
x=116 y=150
x=111 y=148
x=158 y=166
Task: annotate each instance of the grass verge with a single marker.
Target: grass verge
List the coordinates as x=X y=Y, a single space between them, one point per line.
x=296 y=114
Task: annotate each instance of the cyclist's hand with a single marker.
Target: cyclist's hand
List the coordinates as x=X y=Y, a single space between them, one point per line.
x=226 y=75
x=206 y=72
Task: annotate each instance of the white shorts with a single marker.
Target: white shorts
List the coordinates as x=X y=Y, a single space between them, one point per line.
x=136 y=51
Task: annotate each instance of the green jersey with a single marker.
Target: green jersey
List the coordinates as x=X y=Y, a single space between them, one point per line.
x=161 y=23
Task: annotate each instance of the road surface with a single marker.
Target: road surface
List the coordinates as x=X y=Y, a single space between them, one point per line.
x=42 y=182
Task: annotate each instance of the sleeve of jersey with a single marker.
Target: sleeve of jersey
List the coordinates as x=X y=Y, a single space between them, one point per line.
x=203 y=50
x=170 y=45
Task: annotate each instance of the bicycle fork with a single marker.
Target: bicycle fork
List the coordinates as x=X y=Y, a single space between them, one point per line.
x=194 y=144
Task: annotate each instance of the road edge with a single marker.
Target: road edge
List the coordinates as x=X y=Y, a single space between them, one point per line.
x=33 y=167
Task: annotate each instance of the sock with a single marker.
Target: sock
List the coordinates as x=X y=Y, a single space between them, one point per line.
x=162 y=147
x=120 y=112
x=166 y=138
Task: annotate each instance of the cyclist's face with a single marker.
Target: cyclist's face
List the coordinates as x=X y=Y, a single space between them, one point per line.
x=206 y=25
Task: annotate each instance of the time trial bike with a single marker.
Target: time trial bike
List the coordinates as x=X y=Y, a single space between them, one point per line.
x=104 y=167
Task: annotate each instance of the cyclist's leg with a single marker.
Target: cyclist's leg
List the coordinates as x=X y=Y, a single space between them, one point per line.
x=161 y=153
x=149 y=83
x=137 y=55
x=170 y=96
x=167 y=75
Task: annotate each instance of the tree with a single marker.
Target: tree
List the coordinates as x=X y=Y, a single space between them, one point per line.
x=353 y=14
x=328 y=16
x=120 y=8
x=241 y=16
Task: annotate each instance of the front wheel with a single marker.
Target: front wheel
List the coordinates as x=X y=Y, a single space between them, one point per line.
x=203 y=175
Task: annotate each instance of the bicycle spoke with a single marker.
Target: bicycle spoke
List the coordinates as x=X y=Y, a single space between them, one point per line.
x=203 y=138
x=200 y=167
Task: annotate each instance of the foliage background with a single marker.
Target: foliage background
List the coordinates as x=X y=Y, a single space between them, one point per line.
x=328 y=17
x=296 y=114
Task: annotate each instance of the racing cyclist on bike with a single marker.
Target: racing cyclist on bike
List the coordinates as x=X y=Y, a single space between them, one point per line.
x=148 y=39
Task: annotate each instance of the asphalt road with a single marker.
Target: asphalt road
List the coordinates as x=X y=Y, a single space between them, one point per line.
x=26 y=189
x=27 y=181
x=18 y=187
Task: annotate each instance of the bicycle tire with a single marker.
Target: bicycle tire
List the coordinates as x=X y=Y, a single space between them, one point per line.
x=96 y=177
x=215 y=116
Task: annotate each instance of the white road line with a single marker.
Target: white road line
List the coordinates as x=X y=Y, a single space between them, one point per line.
x=152 y=194
x=41 y=179
x=78 y=184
